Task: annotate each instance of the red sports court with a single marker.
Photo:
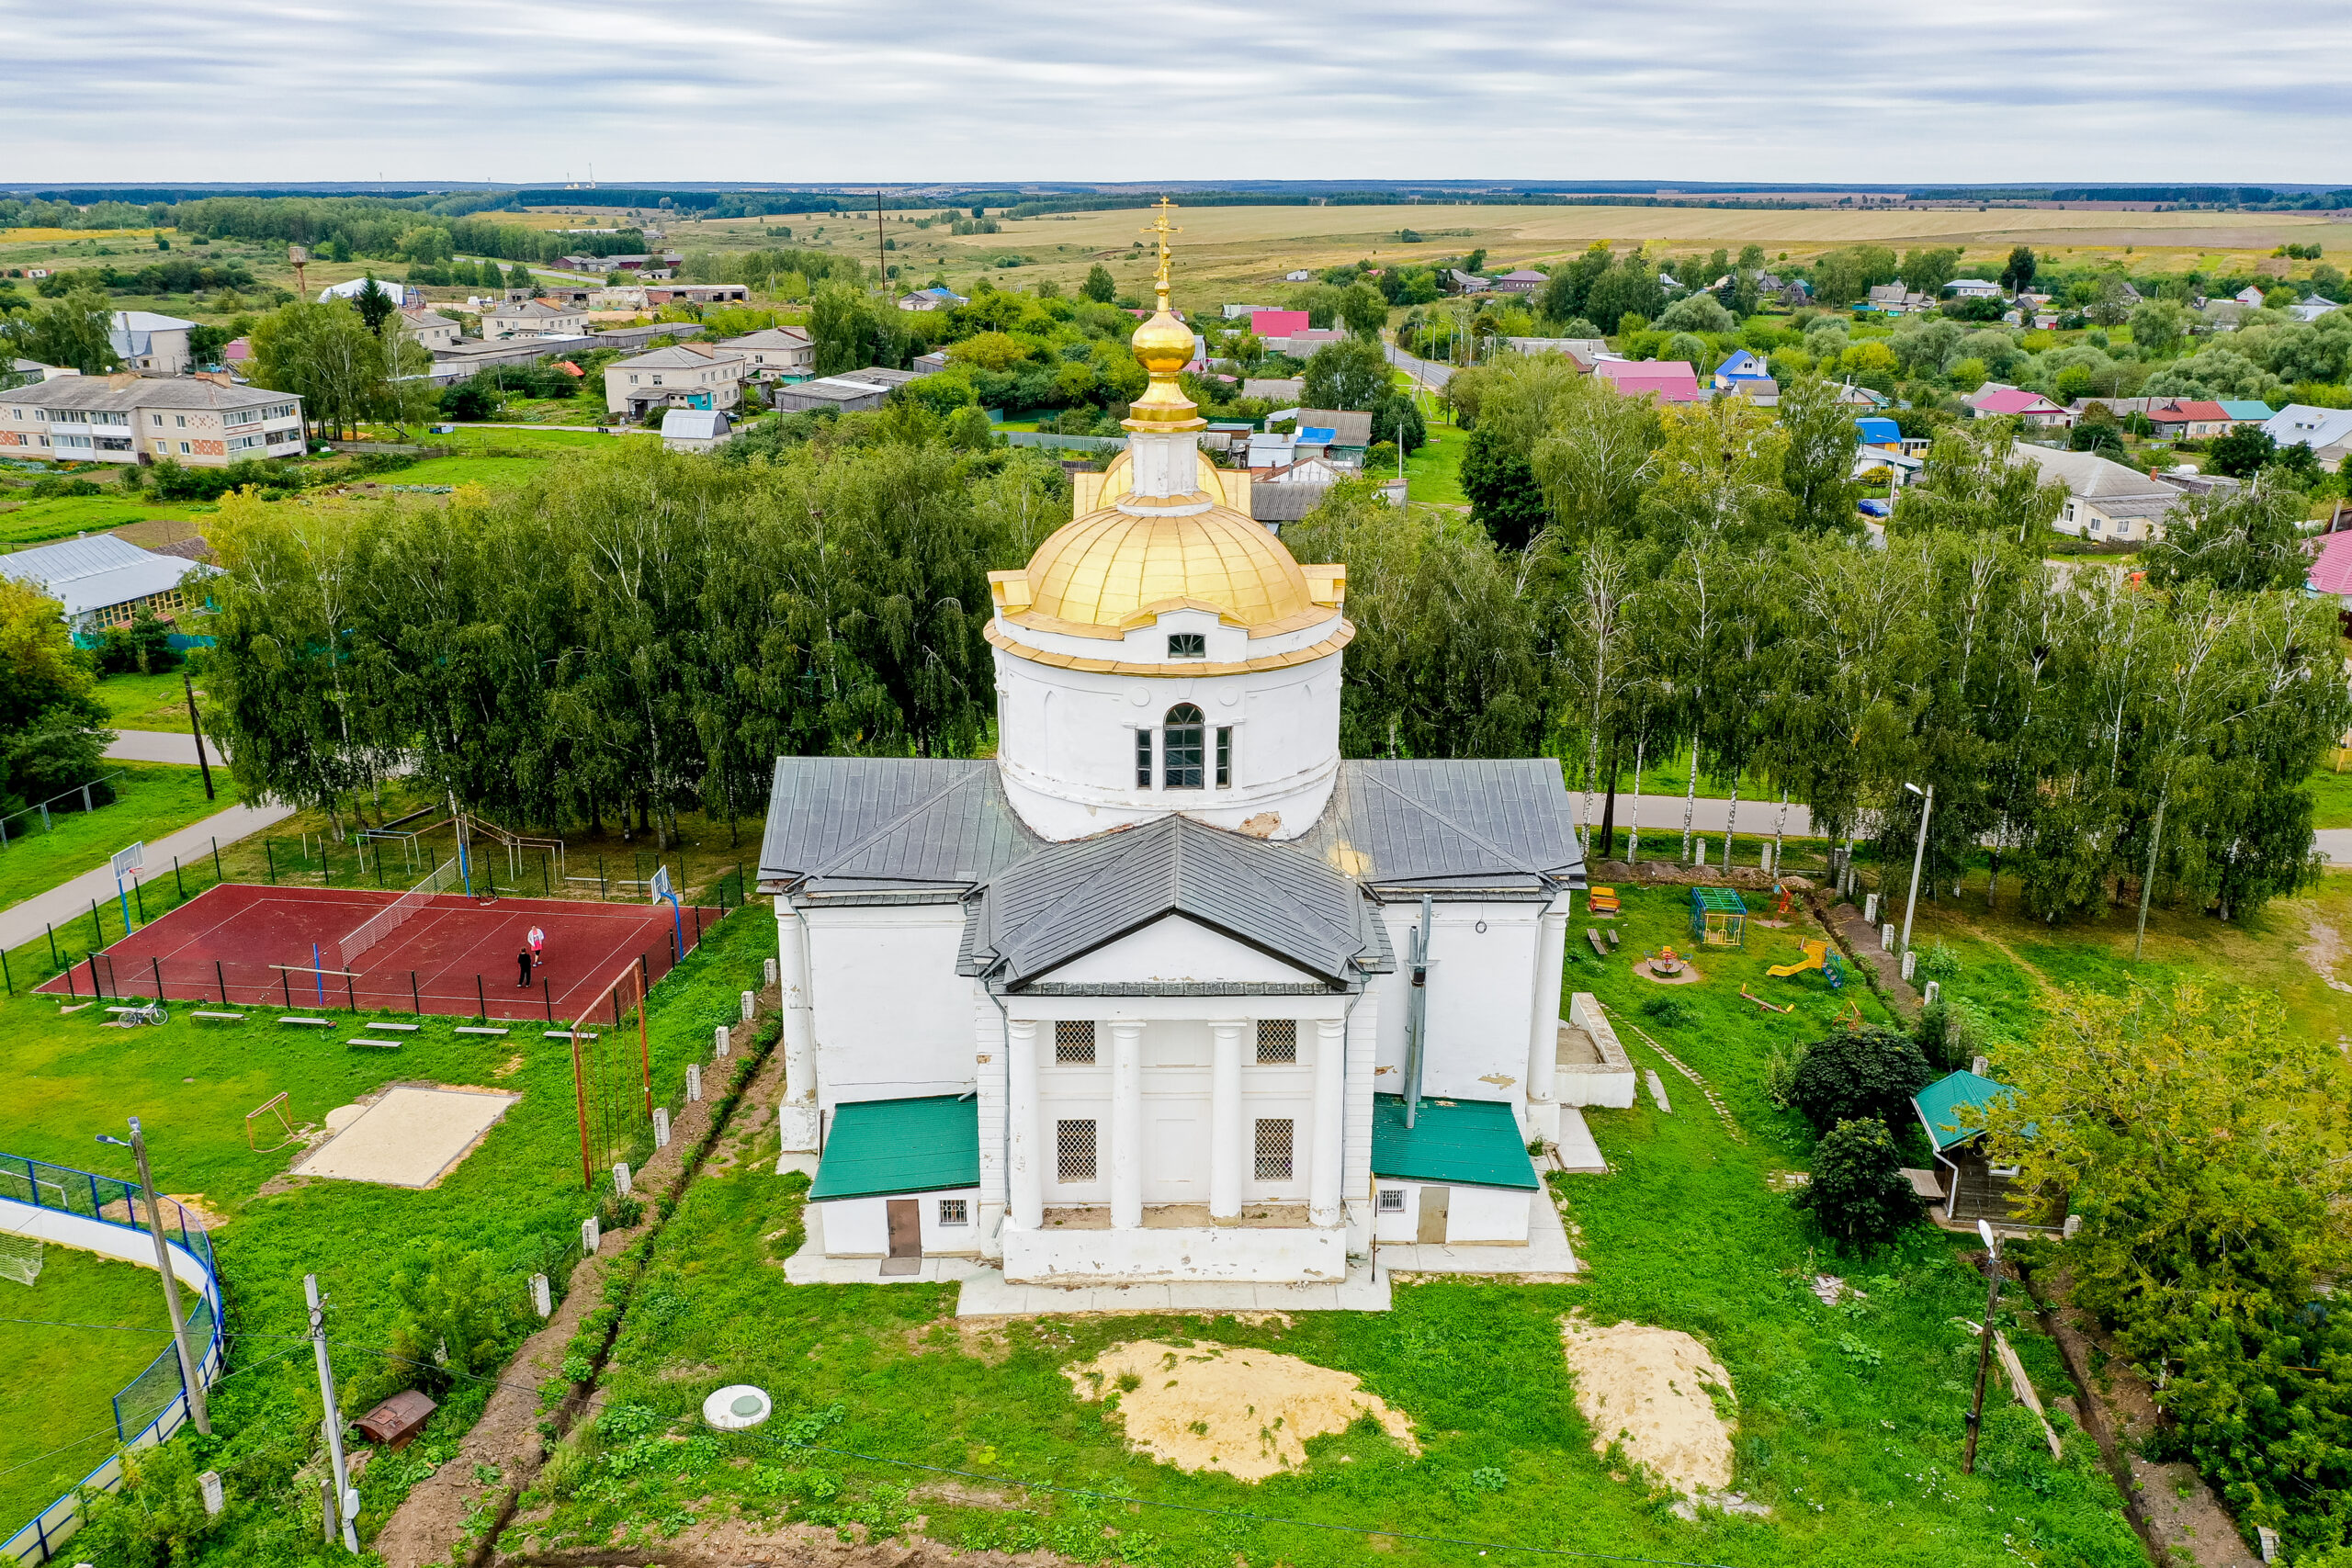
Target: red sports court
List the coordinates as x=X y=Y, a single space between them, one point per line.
x=245 y=944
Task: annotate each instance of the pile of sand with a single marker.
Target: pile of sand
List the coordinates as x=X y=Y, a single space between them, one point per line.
x=1648 y=1390
x=1248 y=1413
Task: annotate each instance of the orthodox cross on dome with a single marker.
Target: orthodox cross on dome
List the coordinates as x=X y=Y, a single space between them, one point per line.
x=1162 y=228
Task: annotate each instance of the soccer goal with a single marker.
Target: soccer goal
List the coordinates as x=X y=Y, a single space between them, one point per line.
x=20 y=1256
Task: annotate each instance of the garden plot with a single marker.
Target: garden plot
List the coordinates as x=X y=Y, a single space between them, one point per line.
x=412 y=1137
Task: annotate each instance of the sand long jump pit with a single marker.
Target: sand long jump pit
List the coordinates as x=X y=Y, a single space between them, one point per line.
x=413 y=1136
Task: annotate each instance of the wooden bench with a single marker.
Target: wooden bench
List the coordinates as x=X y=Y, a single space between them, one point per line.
x=1593 y=936
x=225 y=1017
x=376 y=1045
x=477 y=1029
x=127 y=1010
x=403 y=1027
x=312 y=1022
x=567 y=1034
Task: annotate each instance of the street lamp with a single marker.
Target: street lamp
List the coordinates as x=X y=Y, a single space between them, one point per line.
x=1918 y=855
x=197 y=1410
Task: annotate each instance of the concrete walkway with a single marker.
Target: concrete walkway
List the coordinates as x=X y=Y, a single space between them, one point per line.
x=161 y=746
x=21 y=923
x=988 y=1293
x=2335 y=843
x=1660 y=816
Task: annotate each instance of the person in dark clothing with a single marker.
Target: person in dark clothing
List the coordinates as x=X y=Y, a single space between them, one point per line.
x=523 y=965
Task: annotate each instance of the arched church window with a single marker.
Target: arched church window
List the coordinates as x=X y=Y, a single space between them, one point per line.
x=1181 y=746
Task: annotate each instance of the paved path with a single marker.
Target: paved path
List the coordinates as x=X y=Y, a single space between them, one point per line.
x=161 y=746
x=21 y=923
x=1428 y=372
x=1663 y=814
x=2335 y=843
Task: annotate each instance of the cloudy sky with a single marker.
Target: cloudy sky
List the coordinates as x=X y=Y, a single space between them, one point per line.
x=1884 y=91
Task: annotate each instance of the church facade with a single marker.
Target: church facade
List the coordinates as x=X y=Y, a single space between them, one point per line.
x=1169 y=990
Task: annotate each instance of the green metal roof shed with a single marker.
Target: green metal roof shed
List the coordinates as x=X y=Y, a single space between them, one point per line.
x=1940 y=1106
x=1453 y=1143
x=878 y=1146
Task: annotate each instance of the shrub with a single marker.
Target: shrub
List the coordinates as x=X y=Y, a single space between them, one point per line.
x=1780 y=1067
x=1869 y=1073
x=1671 y=1012
x=1949 y=1033
x=1859 y=1195
x=1939 y=962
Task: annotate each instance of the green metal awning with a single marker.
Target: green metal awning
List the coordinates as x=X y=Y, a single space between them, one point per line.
x=876 y=1146
x=1952 y=1107
x=1457 y=1143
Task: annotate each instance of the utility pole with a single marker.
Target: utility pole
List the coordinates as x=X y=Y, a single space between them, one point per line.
x=1983 y=1342
x=197 y=728
x=344 y=1501
x=881 y=259
x=1918 y=856
x=190 y=1365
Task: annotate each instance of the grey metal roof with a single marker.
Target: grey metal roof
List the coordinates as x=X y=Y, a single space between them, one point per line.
x=1068 y=899
x=1461 y=823
x=1284 y=502
x=99 y=571
x=844 y=823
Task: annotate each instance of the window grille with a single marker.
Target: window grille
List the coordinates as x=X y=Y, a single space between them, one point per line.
x=1391 y=1200
x=1143 y=759
x=1074 y=1040
x=1180 y=764
x=1277 y=1040
x=1188 y=645
x=1225 y=756
x=953 y=1212
x=1074 y=1158
x=1274 y=1141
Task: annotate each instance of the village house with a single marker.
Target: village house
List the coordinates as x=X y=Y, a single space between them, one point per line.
x=2188 y=419
x=2327 y=432
x=197 y=420
x=1669 y=380
x=157 y=344
x=1166 y=991
x=2105 y=500
x=776 y=353
x=1972 y=288
x=938 y=296
x=424 y=325
x=1524 y=280
x=2010 y=402
x=684 y=376
x=531 y=317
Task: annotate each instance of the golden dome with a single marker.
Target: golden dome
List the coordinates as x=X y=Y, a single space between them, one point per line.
x=1163 y=343
x=1111 y=569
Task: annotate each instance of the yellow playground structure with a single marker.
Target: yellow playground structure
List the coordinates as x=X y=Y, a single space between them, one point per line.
x=1815 y=955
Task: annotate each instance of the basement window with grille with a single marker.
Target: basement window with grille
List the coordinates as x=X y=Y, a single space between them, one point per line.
x=1074 y=1042
x=1074 y=1157
x=1391 y=1200
x=1275 y=1137
x=1277 y=1041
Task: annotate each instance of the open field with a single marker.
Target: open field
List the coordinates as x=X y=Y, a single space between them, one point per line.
x=1848 y=1419
x=152 y=799
x=56 y=1404
x=495 y=473
x=1434 y=473
x=62 y=516
x=145 y=702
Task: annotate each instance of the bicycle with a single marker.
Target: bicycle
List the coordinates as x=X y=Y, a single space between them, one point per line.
x=153 y=1012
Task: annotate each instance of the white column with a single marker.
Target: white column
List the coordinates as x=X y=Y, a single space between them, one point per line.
x=1324 y=1151
x=1027 y=1194
x=1127 y=1125
x=796 y=1118
x=1543 y=1023
x=1225 y=1120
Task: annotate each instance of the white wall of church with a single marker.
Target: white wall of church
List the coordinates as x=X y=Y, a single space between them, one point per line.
x=860 y=1227
x=892 y=1018
x=1482 y=992
x=1067 y=752
x=1475 y=1215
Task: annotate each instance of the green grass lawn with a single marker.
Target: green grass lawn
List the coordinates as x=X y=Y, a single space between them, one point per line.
x=145 y=702
x=518 y=1197
x=56 y=1404
x=2331 y=798
x=62 y=516
x=471 y=440
x=151 y=799
x=1849 y=1420
x=495 y=473
x=1432 y=473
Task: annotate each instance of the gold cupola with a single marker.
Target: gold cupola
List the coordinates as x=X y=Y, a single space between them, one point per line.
x=1164 y=346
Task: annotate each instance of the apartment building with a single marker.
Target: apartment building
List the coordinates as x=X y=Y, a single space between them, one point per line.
x=685 y=375
x=196 y=421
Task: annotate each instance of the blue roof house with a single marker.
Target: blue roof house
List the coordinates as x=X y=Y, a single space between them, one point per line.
x=1742 y=364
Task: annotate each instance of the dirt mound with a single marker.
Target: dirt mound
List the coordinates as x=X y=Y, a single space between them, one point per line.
x=1653 y=1391
x=1248 y=1413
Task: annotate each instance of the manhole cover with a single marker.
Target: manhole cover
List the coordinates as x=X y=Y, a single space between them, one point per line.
x=736 y=1407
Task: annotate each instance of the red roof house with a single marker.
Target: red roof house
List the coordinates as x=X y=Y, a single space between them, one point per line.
x=2193 y=418
x=2031 y=407
x=1669 y=380
x=1277 y=323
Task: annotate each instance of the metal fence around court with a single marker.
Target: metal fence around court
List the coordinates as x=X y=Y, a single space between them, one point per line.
x=81 y=1208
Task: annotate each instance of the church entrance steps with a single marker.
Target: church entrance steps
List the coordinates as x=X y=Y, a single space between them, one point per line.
x=1573 y=1150
x=988 y=1293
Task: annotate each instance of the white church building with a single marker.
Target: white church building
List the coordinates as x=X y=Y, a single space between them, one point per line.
x=1141 y=999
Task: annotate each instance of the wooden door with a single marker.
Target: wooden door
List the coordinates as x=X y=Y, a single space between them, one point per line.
x=905 y=1237
x=1435 y=1202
